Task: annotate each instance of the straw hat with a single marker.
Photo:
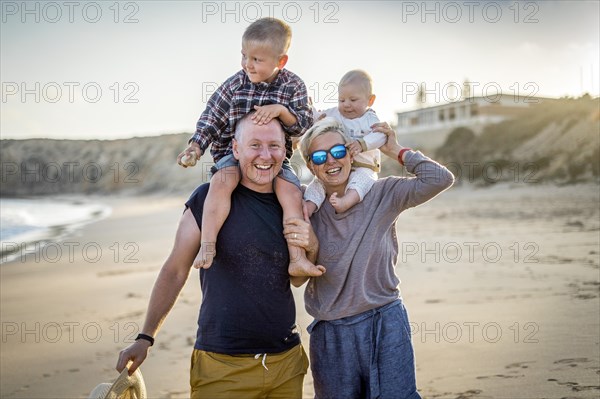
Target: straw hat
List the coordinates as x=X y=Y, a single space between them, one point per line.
x=125 y=387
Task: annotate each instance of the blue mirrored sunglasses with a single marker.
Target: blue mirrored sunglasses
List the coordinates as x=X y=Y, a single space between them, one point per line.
x=319 y=157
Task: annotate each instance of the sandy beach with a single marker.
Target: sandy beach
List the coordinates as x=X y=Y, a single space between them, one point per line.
x=501 y=284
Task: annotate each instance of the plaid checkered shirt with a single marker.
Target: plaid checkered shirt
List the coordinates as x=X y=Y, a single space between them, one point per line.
x=237 y=96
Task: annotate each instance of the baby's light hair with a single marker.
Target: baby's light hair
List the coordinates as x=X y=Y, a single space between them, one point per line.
x=360 y=78
x=320 y=127
x=271 y=31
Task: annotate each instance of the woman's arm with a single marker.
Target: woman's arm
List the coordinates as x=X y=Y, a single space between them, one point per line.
x=431 y=177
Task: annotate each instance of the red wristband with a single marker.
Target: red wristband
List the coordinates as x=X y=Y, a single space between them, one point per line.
x=401 y=153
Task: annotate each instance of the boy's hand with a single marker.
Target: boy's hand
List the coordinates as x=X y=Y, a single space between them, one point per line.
x=266 y=113
x=190 y=155
x=354 y=148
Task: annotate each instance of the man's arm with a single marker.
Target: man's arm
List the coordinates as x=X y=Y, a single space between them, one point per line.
x=168 y=285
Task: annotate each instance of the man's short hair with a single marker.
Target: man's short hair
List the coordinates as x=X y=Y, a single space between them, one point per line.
x=274 y=32
x=359 y=78
x=247 y=120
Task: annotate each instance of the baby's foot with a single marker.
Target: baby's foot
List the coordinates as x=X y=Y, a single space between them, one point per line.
x=205 y=256
x=341 y=204
x=302 y=267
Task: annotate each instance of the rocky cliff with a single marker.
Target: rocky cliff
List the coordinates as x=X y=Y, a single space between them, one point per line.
x=554 y=142
x=137 y=165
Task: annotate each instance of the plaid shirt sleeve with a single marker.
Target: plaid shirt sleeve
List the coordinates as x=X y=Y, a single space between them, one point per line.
x=214 y=120
x=298 y=105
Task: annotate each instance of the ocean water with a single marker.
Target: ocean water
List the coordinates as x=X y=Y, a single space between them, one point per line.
x=27 y=224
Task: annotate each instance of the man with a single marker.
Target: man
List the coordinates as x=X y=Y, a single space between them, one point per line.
x=246 y=345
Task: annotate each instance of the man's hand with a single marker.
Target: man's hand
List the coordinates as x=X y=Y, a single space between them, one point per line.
x=266 y=113
x=190 y=155
x=135 y=353
x=300 y=233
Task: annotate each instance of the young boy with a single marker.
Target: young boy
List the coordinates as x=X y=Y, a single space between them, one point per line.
x=355 y=97
x=265 y=87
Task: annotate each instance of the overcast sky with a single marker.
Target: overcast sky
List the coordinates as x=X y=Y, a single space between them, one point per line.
x=107 y=69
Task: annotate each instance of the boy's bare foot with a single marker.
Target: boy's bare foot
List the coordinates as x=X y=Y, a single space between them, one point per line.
x=302 y=267
x=342 y=204
x=205 y=256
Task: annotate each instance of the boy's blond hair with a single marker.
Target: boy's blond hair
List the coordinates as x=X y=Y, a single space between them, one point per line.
x=360 y=78
x=272 y=31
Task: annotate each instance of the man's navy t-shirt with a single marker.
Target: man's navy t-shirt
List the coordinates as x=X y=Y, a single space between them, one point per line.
x=247 y=305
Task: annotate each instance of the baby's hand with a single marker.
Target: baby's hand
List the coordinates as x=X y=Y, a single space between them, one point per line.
x=266 y=113
x=354 y=148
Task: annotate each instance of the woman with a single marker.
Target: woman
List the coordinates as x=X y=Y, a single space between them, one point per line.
x=360 y=339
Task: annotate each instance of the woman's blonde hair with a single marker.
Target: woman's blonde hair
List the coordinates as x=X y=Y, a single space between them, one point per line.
x=321 y=127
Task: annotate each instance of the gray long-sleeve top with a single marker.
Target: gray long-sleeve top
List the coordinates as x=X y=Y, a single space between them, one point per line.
x=359 y=247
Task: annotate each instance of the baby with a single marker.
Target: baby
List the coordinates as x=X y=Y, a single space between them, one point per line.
x=355 y=97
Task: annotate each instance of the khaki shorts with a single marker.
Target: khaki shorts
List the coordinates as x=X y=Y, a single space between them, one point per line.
x=215 y=375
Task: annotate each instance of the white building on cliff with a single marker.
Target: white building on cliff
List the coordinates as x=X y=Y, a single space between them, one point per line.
x=427 y=128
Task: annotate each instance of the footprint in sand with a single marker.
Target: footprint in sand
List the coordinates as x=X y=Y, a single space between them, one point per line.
x=485 y=377
x=572 y=361
x=519 y=365
x=575 y=386
x=468 y=394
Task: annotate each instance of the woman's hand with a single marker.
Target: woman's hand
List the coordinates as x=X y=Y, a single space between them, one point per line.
x=391 y=148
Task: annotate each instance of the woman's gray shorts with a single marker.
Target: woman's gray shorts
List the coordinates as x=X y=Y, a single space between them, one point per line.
x=368 y=355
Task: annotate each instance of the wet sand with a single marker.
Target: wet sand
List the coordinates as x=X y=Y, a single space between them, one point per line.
x=501 y=284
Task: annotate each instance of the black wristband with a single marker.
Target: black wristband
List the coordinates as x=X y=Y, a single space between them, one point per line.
x=145 y=337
